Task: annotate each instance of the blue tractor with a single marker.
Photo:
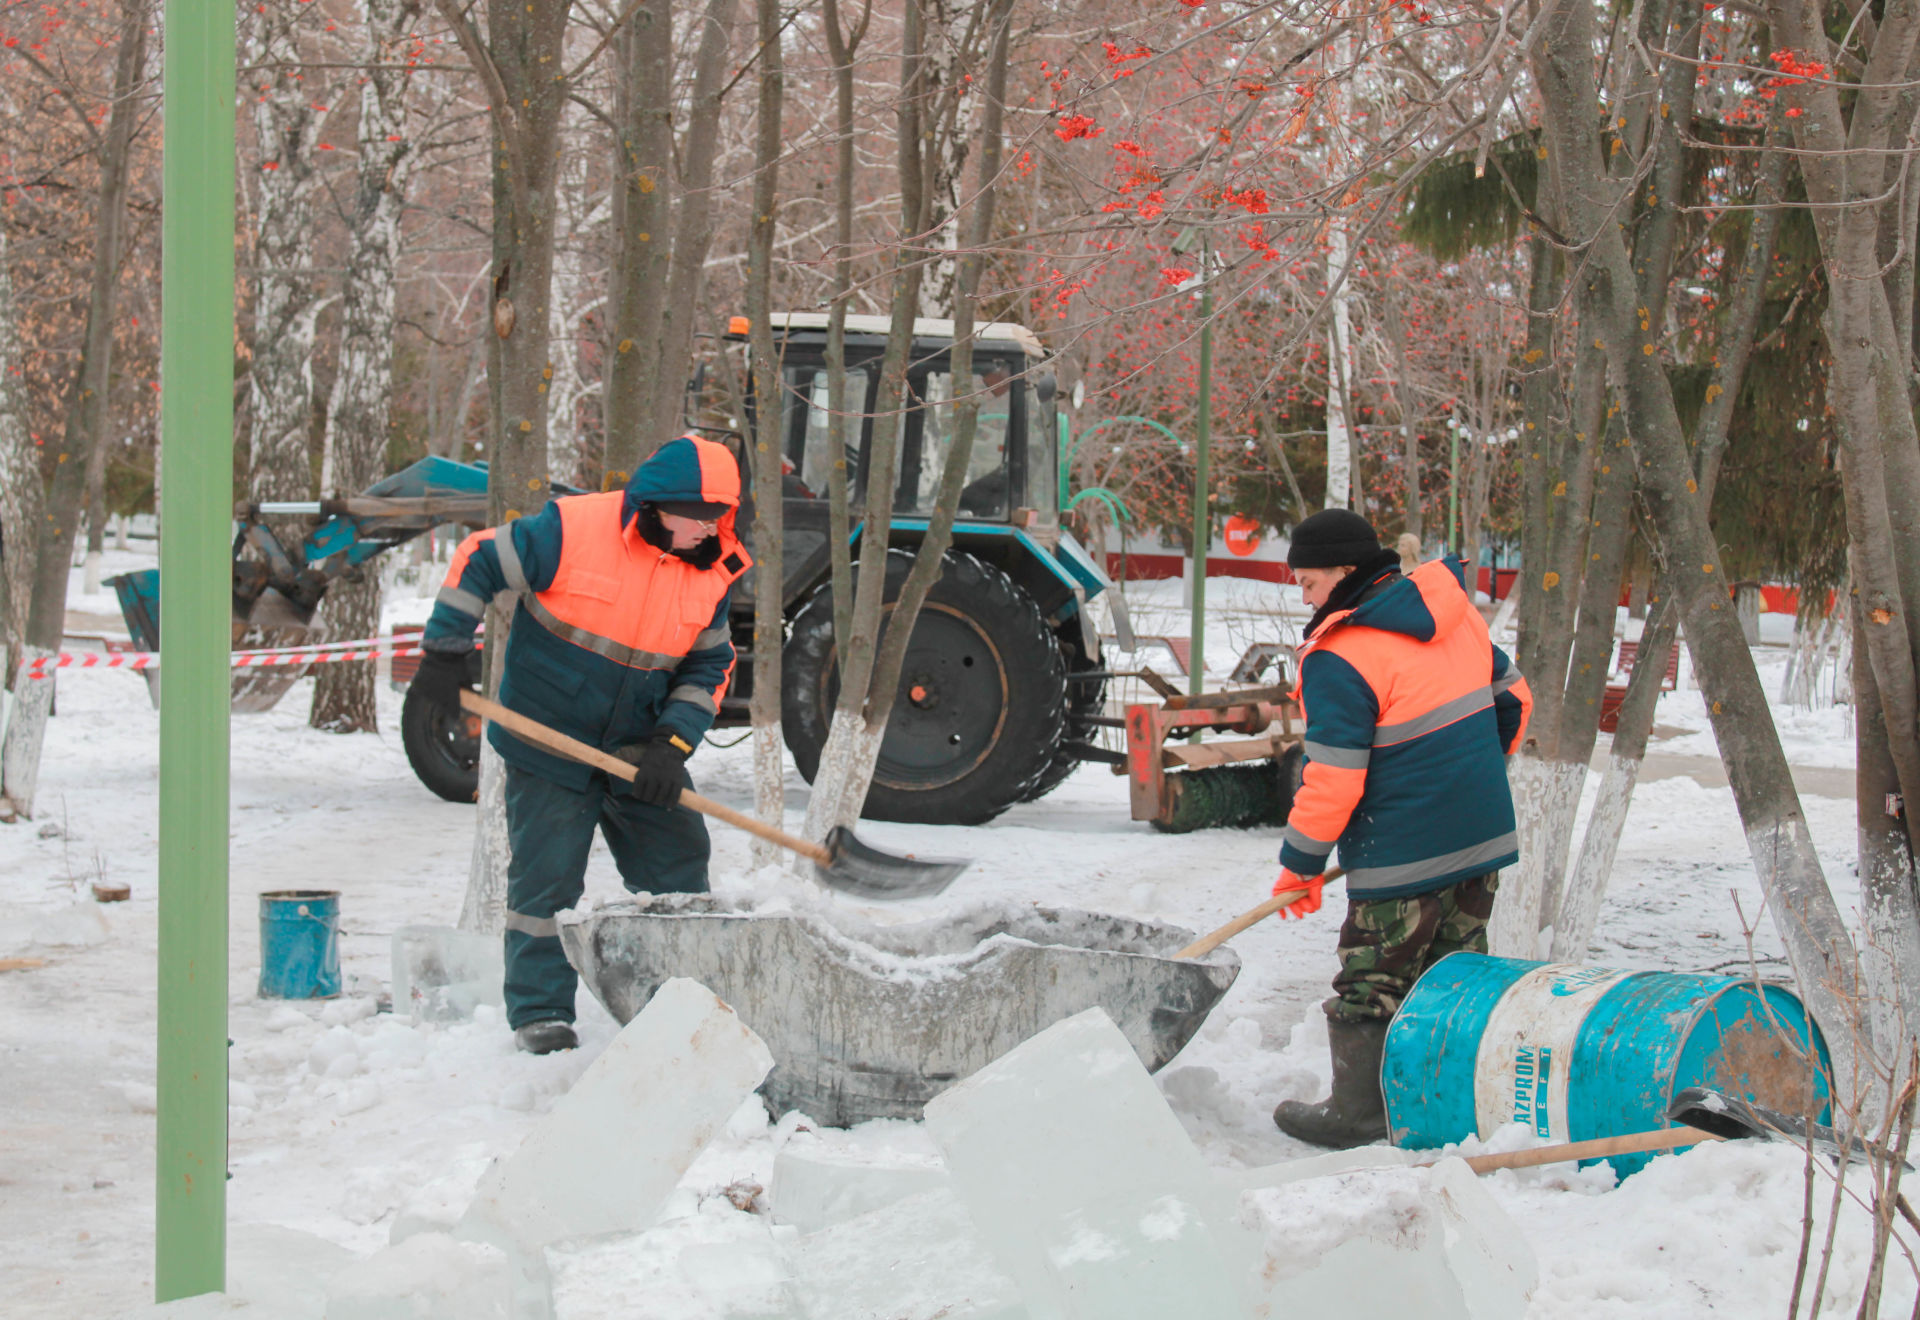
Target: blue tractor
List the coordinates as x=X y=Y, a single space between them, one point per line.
x=1003 y=689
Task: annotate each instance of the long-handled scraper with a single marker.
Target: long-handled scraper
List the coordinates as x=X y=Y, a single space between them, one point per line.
x=842 y=862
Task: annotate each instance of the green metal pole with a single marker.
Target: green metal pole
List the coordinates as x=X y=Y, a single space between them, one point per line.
x=1453 y=494
x=196 y=427
x=1202 y=515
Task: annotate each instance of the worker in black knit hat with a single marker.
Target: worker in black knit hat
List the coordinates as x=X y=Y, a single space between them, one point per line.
x=1410 y=711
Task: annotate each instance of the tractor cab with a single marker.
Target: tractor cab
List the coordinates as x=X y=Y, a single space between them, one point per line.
x=1012 y=474
x=1002 y=685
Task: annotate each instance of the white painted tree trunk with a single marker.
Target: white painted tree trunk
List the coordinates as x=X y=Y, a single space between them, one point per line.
x=485 y=906
x=845 y=774
x=1586 y=888
x=1545 y=797
x=769 y=791
x=1890 y=953
x=358 y=417
x=1339 y=374
x=26 y=735
x=20 y=489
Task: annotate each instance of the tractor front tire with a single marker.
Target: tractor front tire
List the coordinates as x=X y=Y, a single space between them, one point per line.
x=443 y=746
x=981 y=706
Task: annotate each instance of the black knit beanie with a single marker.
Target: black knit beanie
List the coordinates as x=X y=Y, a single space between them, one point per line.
x=1332 y=538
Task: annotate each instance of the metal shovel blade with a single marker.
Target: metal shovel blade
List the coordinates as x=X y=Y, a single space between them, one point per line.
x=857 y=868
x=1735 y=1119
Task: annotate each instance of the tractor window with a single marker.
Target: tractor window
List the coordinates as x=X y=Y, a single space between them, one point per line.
x=810 y=428
x=985 y=493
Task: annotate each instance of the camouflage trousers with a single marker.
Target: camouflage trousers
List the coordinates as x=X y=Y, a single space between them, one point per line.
x=1386 y=943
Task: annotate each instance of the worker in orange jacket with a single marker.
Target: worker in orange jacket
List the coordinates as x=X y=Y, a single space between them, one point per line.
x=620 y=639
x=1411 y=710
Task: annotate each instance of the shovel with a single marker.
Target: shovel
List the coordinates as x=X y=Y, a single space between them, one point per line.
x=1704 y=1115
x=1733 y=1118
x=1206 y=944
x=842 y=862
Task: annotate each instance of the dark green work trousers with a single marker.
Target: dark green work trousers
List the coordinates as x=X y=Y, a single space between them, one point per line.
x=659 y=850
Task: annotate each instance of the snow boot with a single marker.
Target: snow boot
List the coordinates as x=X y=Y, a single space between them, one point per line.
x=1356 y=1113
x=546 y=1037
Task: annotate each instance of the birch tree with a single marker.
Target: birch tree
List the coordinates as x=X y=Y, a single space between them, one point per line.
x=355 y=446
x=769 y=505
x=662 y=222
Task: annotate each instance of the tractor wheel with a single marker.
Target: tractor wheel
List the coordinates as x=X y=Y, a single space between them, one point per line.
x=443 y=746
x=981 y=705
x=1086 y=698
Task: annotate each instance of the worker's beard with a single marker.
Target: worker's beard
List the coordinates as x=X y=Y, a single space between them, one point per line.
x=654 y=533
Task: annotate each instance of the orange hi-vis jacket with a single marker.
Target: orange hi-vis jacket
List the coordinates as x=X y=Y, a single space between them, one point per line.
x=1410 y=712
x=612 y=638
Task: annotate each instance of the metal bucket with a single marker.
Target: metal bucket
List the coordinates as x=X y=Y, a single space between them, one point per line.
x=300 y=944
x=1578 y=1052
x=873 y=1022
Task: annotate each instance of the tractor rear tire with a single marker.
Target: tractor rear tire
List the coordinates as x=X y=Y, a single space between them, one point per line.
x=443 y=746
x=982 y=701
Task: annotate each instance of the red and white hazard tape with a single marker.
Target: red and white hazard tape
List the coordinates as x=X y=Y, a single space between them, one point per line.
x=367 y=648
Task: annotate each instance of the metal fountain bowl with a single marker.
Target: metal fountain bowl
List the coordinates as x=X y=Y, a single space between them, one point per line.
x=872 y=1021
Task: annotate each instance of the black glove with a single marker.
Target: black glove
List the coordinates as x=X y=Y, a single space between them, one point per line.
x=441 y=678
x=657 y=769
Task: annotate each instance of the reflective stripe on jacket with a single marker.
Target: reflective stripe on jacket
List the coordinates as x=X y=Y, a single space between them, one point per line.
x=612 y=637
x=1410 y=711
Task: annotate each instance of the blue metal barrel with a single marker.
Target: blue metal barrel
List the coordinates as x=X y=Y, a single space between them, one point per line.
x=300 y=944
x=1577 y=1053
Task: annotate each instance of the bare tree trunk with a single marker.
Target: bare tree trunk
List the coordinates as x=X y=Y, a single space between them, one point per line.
x=1410 y=456
x=1586 y=888
x=86 y=423
x=663 y=227
x=870 y=675
x=358 y=412
x=1811 y=927
x=769 y=431
x=20 y=483
x=841 y=46
x=1890 y=952
x=520 y=62
x=1340 y=443
x=1580 y=909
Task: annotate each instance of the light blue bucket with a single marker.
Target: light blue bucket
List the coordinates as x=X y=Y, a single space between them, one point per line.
x=300 y=944
x=1578 y=1053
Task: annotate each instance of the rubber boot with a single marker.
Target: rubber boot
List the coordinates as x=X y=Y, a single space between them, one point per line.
x=1355 y=1114
x=546 y=1037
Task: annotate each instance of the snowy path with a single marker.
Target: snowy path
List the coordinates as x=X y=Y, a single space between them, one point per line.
x=341 y=1115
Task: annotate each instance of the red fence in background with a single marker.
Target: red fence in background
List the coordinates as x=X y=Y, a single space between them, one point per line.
x=1155 y=568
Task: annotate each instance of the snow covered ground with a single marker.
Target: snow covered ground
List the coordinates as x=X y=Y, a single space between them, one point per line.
x=343 y=1117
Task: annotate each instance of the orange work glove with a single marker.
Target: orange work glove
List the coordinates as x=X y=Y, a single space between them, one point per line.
x=1308 y=902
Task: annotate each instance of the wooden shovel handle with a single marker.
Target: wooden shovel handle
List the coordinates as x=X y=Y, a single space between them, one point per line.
x=1206 y=944
x=1633 y=1143
x=553 y=740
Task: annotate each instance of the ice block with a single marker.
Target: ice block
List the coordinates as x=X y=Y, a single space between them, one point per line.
x=441 y=974
x=1084 y=1185
x=605 y=1158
